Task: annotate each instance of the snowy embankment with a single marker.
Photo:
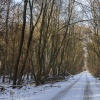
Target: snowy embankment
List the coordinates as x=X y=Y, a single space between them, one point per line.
x=82 y=87
x=43 y=92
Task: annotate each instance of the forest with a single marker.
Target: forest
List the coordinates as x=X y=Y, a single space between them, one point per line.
x=46 y=40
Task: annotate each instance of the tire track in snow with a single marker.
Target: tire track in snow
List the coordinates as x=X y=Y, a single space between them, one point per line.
x=87 y=90
x=62 y=93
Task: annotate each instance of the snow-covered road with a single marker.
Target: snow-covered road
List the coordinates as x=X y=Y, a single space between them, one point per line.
x=85 y=88
x=82 y=87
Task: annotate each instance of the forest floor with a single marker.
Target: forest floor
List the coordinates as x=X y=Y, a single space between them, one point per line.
x=82 y=87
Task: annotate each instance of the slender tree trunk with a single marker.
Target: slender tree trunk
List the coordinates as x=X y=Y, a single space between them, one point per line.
x=21 y=44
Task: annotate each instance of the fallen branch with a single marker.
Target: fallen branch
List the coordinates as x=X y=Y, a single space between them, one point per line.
x=3 y=87
x=70 y=74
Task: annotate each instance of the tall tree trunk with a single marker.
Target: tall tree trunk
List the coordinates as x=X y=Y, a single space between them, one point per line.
x=6 y=36
x=21 y=44
x=32 y=27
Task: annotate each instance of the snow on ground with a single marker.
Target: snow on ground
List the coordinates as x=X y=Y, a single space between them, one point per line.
x=82 y=87
x=77 y=91
x=43 y=92
x=95 y=87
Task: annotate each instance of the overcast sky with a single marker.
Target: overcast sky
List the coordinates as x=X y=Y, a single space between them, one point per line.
x=18 y=0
